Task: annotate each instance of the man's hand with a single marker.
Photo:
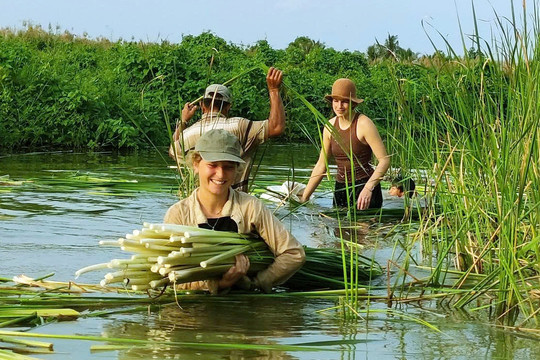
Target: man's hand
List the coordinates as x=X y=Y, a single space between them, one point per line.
x=274 y=78
x=276 y=118
x=188 y=112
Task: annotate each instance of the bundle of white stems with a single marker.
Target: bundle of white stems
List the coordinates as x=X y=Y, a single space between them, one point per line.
x=172 y=254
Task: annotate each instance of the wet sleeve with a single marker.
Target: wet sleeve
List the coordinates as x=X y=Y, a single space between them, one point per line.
x=289 y=253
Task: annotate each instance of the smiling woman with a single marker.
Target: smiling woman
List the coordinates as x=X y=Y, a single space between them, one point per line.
x=351 y=139
x=215 y=205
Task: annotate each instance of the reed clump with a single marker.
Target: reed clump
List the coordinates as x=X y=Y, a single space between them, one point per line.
x=477 y=138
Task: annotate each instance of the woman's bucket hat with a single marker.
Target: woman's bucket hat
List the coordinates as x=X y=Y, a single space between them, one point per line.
x=344 y=89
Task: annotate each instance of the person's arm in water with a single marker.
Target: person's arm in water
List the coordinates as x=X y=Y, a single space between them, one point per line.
x=289 y=255
x=187 y=113
x=319 y=170
x=276 y=119
x=373 y=139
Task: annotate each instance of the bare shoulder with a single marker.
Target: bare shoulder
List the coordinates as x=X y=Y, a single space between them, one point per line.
x=364 y=120
x=366 y=130
x=327 y=131
x=332 y=121
x=364 y=125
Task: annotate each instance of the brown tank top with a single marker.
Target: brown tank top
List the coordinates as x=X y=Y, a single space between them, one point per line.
x=342 y=148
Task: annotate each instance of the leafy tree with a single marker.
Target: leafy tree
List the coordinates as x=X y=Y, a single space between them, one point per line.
x=390 y=51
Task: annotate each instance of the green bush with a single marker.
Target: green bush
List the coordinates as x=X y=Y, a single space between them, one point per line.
x=60 y=91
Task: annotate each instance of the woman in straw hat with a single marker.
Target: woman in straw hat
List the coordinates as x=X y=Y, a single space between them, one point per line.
x=216 y=205
x=351 y=139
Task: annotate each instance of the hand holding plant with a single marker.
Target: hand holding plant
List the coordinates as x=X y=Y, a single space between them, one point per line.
x=274 y=78
x=188 y=112
x=236 y=272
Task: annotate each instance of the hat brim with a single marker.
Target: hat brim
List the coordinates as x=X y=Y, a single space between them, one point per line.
x=213 y=157
x=218 y=98
x=339 y=97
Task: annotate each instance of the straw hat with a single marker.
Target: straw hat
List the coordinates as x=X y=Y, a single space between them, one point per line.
x=344 y=89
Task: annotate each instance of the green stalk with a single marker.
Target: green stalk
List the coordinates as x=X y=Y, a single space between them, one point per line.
x=9 y=355
x=203 y=233
x=211 y=249
x=152 y=246
x=31 y=343
x=191 y=260
x=21 y=319
x=225 y=255
x=198 y=273
x=215 y=240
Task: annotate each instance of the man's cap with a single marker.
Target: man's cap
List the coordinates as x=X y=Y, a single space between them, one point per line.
x=219 y=145
x=218 y=92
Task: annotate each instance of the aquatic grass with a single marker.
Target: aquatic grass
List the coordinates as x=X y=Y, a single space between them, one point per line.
x=11 y=355
x=28 y=312
x=480 y=133
x=17 y=319
x=97 y=183
x=388 y=312
x=29 y=343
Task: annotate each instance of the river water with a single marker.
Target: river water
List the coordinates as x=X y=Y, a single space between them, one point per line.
x=65 y=203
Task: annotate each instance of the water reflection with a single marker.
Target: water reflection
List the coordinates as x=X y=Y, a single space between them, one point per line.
x=252 y=321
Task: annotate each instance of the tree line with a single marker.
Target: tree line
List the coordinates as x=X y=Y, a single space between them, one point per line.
x=58 y=90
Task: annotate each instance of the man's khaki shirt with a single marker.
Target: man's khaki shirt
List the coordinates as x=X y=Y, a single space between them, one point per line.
x=250 y=137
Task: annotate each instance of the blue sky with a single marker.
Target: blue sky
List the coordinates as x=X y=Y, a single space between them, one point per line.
x=341 y=24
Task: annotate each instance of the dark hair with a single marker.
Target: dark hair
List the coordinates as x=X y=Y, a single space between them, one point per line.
x=406 y=185
x=217 y=104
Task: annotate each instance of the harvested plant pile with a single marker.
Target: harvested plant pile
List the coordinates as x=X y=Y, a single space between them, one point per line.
x=172 y=254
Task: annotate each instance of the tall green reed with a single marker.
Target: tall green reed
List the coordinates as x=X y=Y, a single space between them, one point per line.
x=477 y=137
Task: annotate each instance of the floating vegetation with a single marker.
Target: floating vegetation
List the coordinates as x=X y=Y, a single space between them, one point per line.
x=97 y=183
x=5 y=181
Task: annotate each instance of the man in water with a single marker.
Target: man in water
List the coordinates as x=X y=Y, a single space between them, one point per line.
x=215 y=106
x=401 y=186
